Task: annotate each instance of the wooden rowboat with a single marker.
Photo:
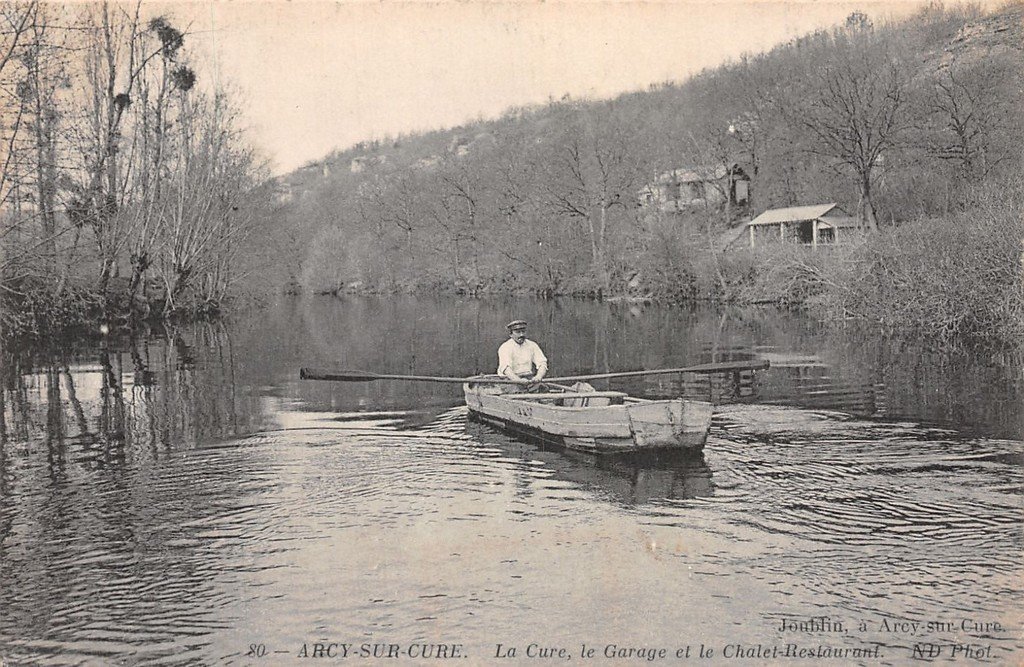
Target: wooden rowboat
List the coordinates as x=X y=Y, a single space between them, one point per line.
x=593 y=421
x=578 y=417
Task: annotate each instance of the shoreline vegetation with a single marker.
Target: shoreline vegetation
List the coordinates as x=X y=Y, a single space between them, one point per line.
x=158 y=208
x=129 y=190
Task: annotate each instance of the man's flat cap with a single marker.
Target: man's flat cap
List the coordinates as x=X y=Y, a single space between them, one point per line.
x=516 y=324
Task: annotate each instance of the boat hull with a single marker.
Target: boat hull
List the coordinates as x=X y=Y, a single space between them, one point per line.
x=632 y=426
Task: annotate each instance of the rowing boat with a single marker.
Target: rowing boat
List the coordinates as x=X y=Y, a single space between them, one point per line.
x=578 y=417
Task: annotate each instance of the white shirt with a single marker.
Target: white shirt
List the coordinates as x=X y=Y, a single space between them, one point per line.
x=521 y=358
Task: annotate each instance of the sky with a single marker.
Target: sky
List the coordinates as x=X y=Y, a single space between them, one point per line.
x=312 y=77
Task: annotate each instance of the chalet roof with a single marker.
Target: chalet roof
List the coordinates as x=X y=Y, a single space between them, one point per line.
x=776 y=216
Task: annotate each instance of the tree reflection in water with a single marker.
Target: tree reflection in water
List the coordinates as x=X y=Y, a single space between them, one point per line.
x=175 y=388
x=101 y=399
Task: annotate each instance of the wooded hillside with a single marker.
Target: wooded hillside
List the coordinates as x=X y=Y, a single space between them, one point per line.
x=896 y=123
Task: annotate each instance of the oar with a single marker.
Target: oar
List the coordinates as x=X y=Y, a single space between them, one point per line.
x=720 y=367
x=366 y=376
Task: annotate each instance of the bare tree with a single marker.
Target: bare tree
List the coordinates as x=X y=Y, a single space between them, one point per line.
x=973 y=107
x=127 y=72
x=44 y=70
x=202 y=214
x=856 y=108
x=16 y=27
x=525 y=233
x=594 y=177
x=461 y=196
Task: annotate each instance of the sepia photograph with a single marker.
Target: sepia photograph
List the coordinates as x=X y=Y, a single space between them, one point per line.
x=511 y=332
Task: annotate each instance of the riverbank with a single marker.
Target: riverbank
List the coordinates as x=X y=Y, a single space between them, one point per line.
x=36 y=311
x=956 y=279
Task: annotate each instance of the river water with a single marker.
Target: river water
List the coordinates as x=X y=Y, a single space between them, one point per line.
x=182 y=497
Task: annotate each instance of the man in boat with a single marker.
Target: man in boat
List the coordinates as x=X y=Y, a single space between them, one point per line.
x=519 y=358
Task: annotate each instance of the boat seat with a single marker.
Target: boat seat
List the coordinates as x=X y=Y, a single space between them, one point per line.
x=568 y=395
x=590 y=401
x=579 y=395
x=593 y=397
x=561 y=394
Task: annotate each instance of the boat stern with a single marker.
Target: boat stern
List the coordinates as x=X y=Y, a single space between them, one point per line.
x=669 y=424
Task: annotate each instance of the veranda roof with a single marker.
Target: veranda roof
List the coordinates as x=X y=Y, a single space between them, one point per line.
x=777 y=216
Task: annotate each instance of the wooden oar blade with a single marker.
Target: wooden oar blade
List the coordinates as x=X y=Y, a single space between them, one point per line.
x=337 y=375
x=366 y=376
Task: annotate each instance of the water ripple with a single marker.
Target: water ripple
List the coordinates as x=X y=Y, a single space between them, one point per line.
x=401 y=529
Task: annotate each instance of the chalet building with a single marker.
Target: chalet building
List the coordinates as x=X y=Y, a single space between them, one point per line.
x=681 y=190
x=821 y=224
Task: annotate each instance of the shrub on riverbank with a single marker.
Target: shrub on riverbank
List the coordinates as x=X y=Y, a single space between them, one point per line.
x=779 y=274
x=34 y=306
x=784 y=275
x=954 y=277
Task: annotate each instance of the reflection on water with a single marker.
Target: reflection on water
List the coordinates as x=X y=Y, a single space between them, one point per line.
x=145 y=394
x=205 y=381
x=173 y=498
x=627 y=480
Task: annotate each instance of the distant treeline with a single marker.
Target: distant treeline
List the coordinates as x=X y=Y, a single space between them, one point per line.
x=914 y=127
x=127 y=190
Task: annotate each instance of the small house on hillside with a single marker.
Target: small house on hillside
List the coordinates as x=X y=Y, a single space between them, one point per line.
x=682 y=189
x=820 y=224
